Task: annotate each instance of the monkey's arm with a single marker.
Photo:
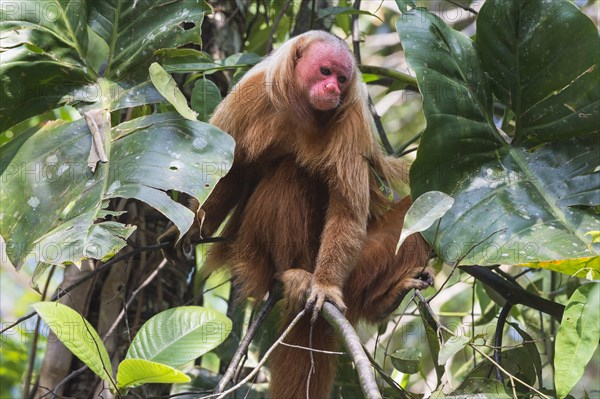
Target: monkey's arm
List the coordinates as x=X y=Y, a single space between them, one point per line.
x=342 y=237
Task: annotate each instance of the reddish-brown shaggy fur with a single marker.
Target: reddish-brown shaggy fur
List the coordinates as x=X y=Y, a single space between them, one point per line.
x=307 y=209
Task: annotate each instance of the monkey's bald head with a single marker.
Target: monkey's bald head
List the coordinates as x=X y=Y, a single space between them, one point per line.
x=323 y=72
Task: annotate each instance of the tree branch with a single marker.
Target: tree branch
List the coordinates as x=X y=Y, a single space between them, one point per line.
x=354 y=346
x=274 y=296
x=513 y=293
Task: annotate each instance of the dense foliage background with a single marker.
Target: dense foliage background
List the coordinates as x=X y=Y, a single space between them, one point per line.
x=103 y=110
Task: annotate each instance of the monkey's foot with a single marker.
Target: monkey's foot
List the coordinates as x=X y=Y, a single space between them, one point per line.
x=296 y=285
x=319 y=293
x=182 y=248
x=422 y=280
x=385 y=305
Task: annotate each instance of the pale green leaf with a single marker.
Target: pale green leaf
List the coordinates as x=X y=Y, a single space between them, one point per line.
x=451 y=347
x=135 y=372
x=577 y=337
x=166 y=85
x=77 y=335
x=425 y=210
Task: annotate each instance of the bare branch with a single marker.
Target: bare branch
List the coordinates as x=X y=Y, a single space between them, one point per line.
x=274 y=296
x=355 y=348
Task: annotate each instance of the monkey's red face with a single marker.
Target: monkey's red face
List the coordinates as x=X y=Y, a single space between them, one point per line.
x=324 y=72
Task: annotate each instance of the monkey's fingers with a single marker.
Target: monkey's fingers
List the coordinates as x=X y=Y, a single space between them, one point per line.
x=318 y=295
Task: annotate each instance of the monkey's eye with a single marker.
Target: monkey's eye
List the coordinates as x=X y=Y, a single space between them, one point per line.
x=342 y=79
x=325 y=71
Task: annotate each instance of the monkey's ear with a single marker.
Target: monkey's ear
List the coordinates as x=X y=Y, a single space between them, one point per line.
x=297 y=54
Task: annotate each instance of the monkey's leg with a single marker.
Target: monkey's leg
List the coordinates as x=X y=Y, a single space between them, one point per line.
x=382 y=278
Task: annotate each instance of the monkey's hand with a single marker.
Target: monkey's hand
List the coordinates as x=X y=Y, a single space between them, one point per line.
x=319 y=293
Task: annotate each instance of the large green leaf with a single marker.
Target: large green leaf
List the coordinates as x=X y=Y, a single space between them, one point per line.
x=47 y=184
x=514 y=203
x=135 y=29
x=179 y=335
x=577 y=337
x=77 y=334
x=542 y=57
x=53 y=51
x=46 y=60
x=43 y=44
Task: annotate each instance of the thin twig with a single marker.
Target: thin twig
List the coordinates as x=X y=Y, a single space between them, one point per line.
x=145 y=283
x=386 y=377
x=403 y=149
x=356 y=46
x=466 y=8
x=356 y=32
x=457 y=263
x=274 y=296
x=311 y=370
x=269 y=45
x=498 y=336
x=509 y=375
x=261 y=362
x=312 y=349
x=68 y=378
x=34 y=341
x=62 y=292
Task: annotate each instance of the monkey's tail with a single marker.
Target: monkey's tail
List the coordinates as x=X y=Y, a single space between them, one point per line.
x=293 y=372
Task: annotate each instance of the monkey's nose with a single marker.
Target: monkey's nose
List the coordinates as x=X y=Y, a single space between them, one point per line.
x=331 y=88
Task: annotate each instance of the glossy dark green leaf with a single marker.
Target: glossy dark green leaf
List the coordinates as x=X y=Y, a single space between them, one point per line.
x=530 y=346
x=46 y=61
x=42 y=48
x=513 y=204
x=135 y=29
x=543 y=59
x=205 y=98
